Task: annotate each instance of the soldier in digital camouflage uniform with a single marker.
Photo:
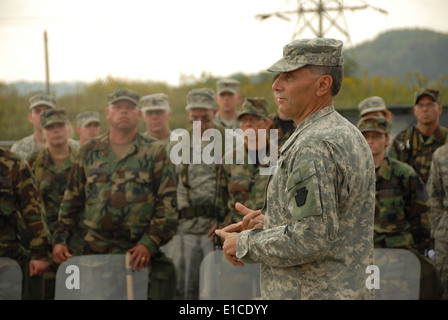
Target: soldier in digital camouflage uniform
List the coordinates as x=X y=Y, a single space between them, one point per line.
x=156 y=115
x=438 y=199
x=227 y=98
x=51 y=167
x=416 y=145
x=243 y=182
x=196 y=198
x=316 y=242
x=285 y=126
x=88 y=125
x=121 y=188
x=19 y=195
x=32 y=143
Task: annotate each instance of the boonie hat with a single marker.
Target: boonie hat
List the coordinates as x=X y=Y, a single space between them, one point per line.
x=371 y=104
x=302 y=52
x=227 y=85
x=378 y=124
x=85 y=118
x=123 y=94
x=432 y=93
x=157 y=101
x=203 y=98
x=53 y=116
x=42 y=99
x=257 y=106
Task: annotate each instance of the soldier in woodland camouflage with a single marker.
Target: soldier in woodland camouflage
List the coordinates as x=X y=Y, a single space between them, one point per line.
x=316 y=241
x=243 y=182
x=19 y=196
x=51 y=167
x=156 y=114
x=401 y=210
x=121 y=188
x=438 y=199
x=416 y=145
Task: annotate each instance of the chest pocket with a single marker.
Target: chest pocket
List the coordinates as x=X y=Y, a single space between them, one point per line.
x=137 y=183
x=6 y=197
x=303 y=191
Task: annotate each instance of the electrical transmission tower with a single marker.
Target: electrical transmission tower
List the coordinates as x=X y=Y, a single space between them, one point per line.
x=327 y=13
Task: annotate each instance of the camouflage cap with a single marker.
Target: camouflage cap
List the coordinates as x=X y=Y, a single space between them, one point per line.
x=42 y=99
x=123 y=94
x=302 y=52
x=257 y=106
x=85 y=118
x=227 y=85
x=157 y=101
x=378 y=124
x=203 y=98
x=52 y=116
x=371 y=104
x=432 y=93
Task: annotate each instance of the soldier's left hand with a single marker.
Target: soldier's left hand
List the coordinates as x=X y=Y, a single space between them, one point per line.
x=140 y=255
x=229 y=246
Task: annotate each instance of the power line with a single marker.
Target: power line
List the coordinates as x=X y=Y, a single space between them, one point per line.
x=326 y=12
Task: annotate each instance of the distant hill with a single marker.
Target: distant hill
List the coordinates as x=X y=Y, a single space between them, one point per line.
x=395 y=53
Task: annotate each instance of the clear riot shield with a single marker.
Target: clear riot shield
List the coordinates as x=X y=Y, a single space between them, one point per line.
x=399 y=272
x=10 y=279
x=100 y=277
x=220 y=280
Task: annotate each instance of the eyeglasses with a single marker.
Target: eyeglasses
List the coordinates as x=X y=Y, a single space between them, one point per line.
x=427 y=105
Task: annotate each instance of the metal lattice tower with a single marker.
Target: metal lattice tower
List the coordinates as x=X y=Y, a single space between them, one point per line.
x=326 y=12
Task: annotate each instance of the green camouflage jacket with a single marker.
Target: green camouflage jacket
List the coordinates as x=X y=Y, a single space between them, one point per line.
x=401 y=207
x=317 y=238
x=19 y=195
x=410 y=147
x=121 y=202
x=240 y=183
x=51 y=181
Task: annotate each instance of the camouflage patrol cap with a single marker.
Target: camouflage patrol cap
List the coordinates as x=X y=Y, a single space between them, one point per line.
x=302 y=52
x=227 y=85
x=432 y=93
x=203 y=98
x=157 y=101
x=42 y=99
x=85 y=118
x=53 y=116
x=123 y=94
x=371 y=104
x=257 y=106
x=378 y=124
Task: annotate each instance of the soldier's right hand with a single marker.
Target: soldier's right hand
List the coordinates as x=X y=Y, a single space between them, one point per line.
x=61 y=253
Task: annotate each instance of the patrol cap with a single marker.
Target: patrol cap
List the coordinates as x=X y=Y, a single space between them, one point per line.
x=42 y=99
x=432 y=93
x=302 y=52
x=52 y=116
x=157 y=101
x=371 y=104
x=378 y=124
x=123 y=94
x=257 y=106
x=227 y=85
x=85 y=118
x=203 y=98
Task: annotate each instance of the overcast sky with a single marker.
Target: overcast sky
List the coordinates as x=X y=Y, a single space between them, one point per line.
x=162 y=40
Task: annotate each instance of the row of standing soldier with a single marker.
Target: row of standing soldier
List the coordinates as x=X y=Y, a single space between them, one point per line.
x=200 y=213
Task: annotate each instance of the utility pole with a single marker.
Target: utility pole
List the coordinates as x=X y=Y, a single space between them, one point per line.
x=47 y=72
x=320 y=9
